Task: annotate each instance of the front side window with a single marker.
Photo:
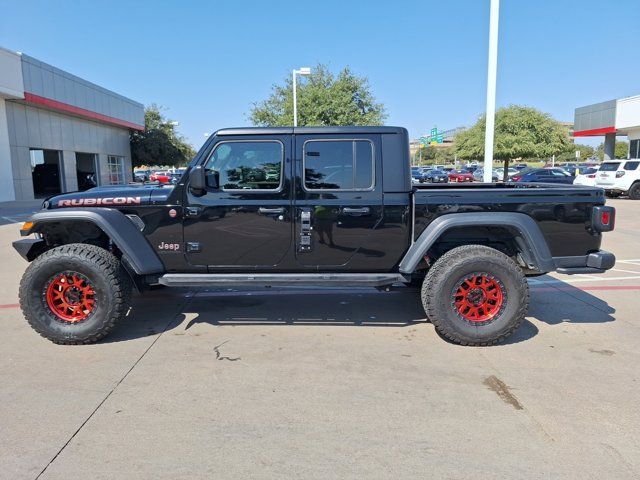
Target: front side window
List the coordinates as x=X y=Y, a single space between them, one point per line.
x=338 y=165
x=248 y=165
x=115 y=170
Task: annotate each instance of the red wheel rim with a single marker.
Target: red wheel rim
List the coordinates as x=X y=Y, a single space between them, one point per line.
x=479 y=297
x=70 y=296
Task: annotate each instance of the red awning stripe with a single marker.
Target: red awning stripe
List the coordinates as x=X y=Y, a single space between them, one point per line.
x=81 y=112
x=595 y=132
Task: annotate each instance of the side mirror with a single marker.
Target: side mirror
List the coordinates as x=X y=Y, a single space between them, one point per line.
x=212 y=179
x=197 y=180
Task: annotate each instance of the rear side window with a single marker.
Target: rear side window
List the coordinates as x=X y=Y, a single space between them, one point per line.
x=255 y=165
x=609 y=166
x=631 y=165
x=338 y=165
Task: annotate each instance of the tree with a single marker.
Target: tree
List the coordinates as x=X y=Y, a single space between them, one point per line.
x=323 y=99
x=586 y=151
x=428 y=154
x=621 y=150
x=159 y=143
x=520 y=132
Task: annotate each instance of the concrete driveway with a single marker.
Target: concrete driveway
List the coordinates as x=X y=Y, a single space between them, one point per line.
x=308 y=383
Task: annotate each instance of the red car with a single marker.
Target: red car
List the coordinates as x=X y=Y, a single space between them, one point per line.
x=460 y=176
x=160 y=177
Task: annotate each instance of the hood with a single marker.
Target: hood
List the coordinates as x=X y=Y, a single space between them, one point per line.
x=111 y=196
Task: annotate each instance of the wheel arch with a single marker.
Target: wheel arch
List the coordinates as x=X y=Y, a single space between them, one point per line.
x=524 y=231
x=137 y=254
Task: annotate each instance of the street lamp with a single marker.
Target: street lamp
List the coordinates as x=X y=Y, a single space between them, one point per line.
x=301 y=71
x=492 y=71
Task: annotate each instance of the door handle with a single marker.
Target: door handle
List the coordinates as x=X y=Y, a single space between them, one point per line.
x=271 y=211
x=356 y=211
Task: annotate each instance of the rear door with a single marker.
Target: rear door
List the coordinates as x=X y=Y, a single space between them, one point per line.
x=338 y=202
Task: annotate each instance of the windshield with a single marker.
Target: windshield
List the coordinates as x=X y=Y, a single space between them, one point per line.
x=609 y=167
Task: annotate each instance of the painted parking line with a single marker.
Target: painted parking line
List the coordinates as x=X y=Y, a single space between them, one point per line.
x=624 y=271
x=10 y=305
x=585 y=288
x=534 y=281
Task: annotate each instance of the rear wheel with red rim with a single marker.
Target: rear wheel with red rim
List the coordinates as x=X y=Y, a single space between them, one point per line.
x=478 y=297
x=475 y=295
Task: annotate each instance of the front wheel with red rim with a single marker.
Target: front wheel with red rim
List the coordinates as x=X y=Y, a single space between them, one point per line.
x=475 y=295
x=70 y=297
x=75 y=294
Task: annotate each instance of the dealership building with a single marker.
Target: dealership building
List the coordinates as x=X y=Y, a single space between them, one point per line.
x=58 y=132
x=619 y=117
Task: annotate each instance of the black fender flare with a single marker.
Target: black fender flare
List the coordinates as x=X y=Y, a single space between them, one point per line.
x=526 y=232
x=135 y=248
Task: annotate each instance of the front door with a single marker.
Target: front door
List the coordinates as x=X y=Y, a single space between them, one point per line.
x=245 y=221
x=338 y=204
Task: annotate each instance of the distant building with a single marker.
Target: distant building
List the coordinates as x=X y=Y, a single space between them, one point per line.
x=58 y=132
x=611 y=119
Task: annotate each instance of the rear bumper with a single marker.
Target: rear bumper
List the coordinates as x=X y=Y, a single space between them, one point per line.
x=596 y=262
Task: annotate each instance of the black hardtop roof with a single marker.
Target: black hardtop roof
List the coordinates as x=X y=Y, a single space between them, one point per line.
x=308 y=130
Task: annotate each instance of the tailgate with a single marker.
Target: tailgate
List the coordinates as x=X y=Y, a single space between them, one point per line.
x=605 y=178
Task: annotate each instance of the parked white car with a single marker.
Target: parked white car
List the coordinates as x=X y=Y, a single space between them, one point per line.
x=620 y=177
x=586 y=177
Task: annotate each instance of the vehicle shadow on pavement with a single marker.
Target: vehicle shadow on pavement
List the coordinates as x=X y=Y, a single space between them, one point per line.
x=560 y=302
x=152 y=313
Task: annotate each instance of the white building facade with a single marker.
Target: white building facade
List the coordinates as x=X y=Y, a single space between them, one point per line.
x=58 y=132
x=619 y=117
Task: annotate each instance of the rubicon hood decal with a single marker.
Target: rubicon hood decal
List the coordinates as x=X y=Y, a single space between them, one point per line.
x=93 y=201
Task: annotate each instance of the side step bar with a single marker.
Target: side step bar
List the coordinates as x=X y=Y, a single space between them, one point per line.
x=281 y=279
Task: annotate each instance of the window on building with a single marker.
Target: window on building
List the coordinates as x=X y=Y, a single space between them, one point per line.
x=115 y=170
x=338 y=165
x=253 y=165
x=634 y=149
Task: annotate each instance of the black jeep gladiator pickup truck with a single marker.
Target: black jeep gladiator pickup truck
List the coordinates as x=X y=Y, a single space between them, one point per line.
x=308 y=206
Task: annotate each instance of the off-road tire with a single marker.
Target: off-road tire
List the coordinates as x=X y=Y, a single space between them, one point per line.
x=439 y=288
x=112 y=286
x=634 y=191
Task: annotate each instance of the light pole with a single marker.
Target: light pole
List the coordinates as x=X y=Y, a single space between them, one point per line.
x=492 y=71
x=301 y=71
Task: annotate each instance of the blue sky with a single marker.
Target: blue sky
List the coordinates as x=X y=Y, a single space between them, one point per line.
x=207 y=61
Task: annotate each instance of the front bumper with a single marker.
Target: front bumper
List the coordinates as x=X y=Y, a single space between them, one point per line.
x=595 y=262
x=29 y=248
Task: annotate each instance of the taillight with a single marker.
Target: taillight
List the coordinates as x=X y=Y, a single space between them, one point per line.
x=603 y=218
x=591 y=176
x=620 y=173
x=516 y=178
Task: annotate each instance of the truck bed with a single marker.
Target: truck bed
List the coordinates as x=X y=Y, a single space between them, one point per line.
x=563 y=212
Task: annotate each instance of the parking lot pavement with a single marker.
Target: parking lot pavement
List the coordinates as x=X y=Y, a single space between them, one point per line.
x=327 y=383
x=12 y=212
